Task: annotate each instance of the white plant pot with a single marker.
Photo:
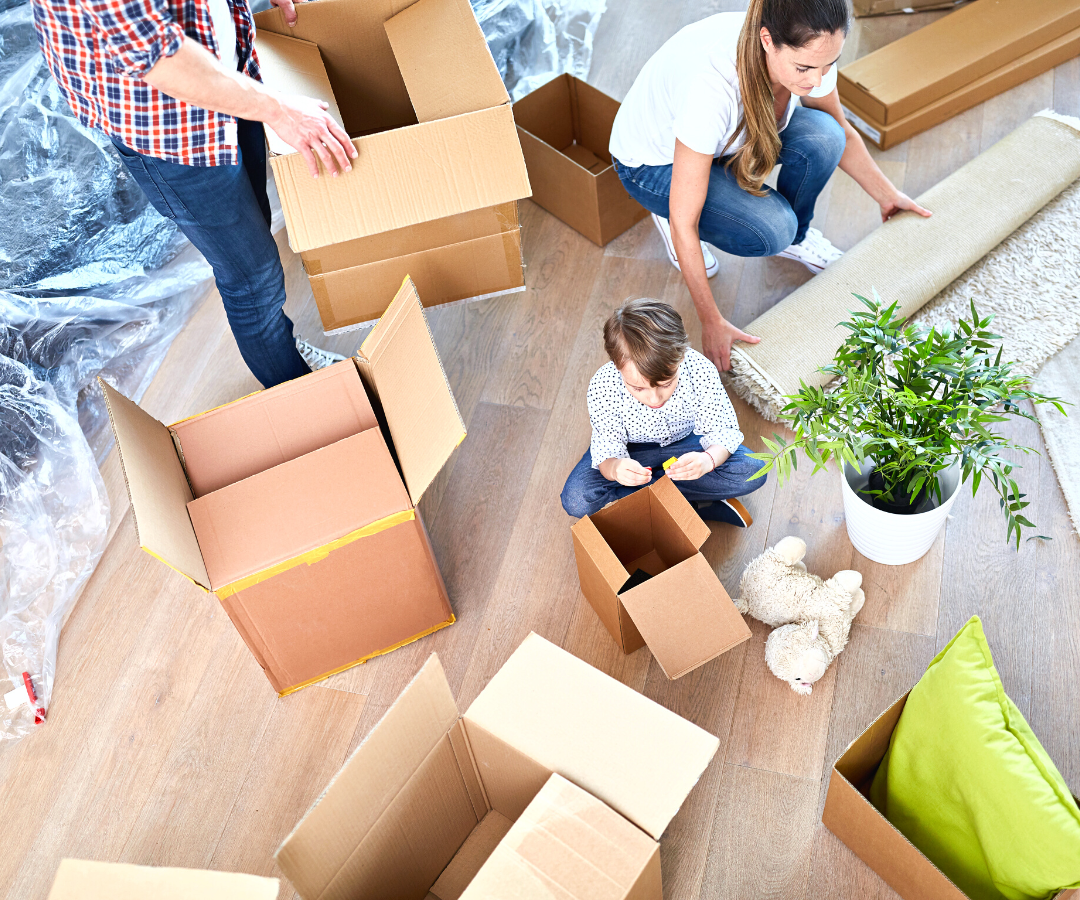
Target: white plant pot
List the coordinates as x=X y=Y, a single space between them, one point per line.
x=891 y=538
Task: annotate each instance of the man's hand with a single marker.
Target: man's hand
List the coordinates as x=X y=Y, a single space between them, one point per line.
x=716 y=341
x=628 y=472
x=305 y=125
x=901 y=201
x=691 y=466
x=287 y=9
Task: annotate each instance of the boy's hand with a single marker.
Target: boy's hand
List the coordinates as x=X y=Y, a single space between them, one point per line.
x=628 y=472
x=691 y=466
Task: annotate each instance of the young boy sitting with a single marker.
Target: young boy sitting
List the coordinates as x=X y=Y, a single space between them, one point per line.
x=658 y=398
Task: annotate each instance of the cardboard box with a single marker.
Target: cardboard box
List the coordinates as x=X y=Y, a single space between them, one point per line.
x=565 y=128
x=682 y=612
x=926 y=65
x=865 y=8
x=416 y=88
x=874 y=839
x=80 y=879
x=1018 y=71
x=289 y=506
x=425 y=800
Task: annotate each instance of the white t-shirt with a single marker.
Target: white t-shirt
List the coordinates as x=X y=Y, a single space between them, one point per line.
x=224 y=32
x=689 y=90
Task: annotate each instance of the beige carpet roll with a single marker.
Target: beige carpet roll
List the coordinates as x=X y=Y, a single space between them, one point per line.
x=909 y=259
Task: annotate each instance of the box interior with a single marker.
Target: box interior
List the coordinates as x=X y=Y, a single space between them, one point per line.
x=573 y=117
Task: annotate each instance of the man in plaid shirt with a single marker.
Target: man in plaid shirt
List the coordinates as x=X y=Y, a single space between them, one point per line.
x=175 y=85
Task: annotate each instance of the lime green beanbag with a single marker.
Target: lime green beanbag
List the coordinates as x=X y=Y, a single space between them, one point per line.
x=968 y=783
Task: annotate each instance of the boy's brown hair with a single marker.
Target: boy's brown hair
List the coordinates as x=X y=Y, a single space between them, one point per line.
x=648 y=333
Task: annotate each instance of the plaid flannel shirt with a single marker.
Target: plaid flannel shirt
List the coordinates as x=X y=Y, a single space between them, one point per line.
x=99 y=50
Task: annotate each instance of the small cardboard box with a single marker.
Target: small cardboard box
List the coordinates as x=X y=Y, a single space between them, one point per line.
x=682 y=612
x=909 y=74
x=289 y=506
x=874 y=839
x=425 y=800
x=565 y=128
x=1040 y=60
x=864 y=8
x=80 y=879
x=414 y=85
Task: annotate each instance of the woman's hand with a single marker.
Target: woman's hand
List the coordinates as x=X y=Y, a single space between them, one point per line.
x=628 y=472
x=716 y=340
x=900 y=201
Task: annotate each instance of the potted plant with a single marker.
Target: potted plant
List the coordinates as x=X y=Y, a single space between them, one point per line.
x=910 y=415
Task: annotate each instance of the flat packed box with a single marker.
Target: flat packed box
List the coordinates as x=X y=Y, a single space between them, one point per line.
x=298 y=511
x=80 y=879
x=434 y=804
x=433 y=190
x=1016 y=72
x=926 y=65
x=681 y=611
x=850 y=815
x=565 y=128
x=864 y=8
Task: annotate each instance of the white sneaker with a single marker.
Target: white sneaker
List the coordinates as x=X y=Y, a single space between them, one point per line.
x=664 y=227
x=314 y=357
x=815 y=251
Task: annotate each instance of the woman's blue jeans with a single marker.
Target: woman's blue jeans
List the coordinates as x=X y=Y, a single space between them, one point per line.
x=736 y=221
x=225 y=213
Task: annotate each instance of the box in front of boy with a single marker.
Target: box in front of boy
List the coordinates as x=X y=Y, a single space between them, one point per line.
x=289 y=506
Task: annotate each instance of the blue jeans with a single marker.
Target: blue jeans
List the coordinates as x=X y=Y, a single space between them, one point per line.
x=736 y=221
x=587 y=491
x=225 y=213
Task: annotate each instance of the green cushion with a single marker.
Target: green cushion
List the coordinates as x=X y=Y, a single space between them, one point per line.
x=968 y=783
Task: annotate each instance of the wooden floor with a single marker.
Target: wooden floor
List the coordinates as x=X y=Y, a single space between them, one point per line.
x=166 y=745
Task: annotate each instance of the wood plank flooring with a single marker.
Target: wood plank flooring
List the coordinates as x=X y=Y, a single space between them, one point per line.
x=166 y=745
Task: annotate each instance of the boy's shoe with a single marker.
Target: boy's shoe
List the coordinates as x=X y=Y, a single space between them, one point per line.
x=314 y=357
x=815 y=251
x=730 y=512
x=664 y=227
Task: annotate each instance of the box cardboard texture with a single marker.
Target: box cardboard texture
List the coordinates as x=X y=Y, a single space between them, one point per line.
x=850 y=815
x=565 y=128
x=682 y=613
x=289 y=506
x=431 y=798
x=920 y=68
x=432 y=193
x=864 y=8
x=80 y=879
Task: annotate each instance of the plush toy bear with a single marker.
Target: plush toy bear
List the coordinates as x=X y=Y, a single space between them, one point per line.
x=812 y=617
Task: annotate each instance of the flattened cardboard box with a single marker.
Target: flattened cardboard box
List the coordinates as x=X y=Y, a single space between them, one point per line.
x=682 y=612
x=414 y=85
x=909 y=74
x=874 y=839
x=864 y=8
x=80 y=879
x=565 y=129
x=289 y=506
x=431 y=796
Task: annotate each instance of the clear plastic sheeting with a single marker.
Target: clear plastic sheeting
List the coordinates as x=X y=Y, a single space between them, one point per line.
x=54 y=516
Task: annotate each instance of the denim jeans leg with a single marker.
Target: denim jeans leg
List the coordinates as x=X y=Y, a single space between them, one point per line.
x=813 y=143
x=732 y=479
x=227 y=218
x=587 y=491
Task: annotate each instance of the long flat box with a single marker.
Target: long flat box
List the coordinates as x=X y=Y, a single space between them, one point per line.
x=682 y=612
x=1016 y=72
x=80 y=879
x=850 y=815
x=865 y=8
x=414 y=85
x=909 y=74
x=298 y=511
x=565 y=129
x=431 y=799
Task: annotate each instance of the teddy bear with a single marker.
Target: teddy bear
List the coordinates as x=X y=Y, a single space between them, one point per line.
x=811 y=617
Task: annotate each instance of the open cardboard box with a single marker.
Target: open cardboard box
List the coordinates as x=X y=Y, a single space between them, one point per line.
x=288 y=504
x=433 y=191
x=850 y=815
x=80 y=879
x=565 y=128
x=682 y=612
x=424 y=802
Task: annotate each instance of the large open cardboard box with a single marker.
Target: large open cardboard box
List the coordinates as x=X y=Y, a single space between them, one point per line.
x=289 y=506
x=80 y=879
x=565 y=128
x=682 y=612
x=850 y=815
x=425 y=800
x=433 y=191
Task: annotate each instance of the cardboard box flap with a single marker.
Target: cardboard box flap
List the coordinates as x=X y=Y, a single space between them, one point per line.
x=293 y=66
x=678 y=507
x=603 y=557
x=685 y=616
x=400 y=361
x=639 y=758
x=80 y=879
x=371 y=778
x=157 y=486
x=444 y=59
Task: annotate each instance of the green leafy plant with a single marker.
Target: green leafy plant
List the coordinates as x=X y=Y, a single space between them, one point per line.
x=914 y=401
